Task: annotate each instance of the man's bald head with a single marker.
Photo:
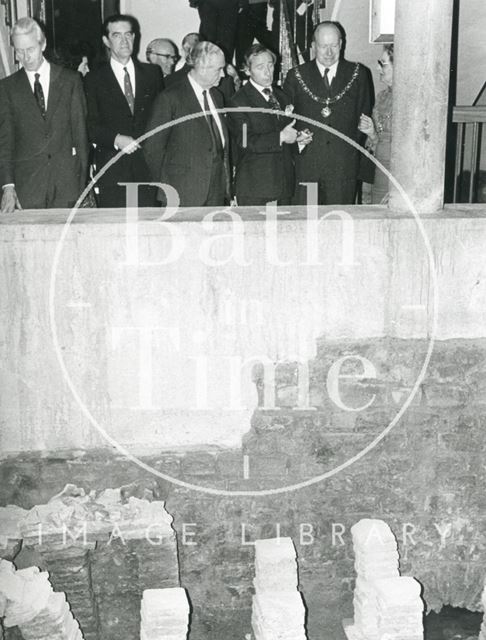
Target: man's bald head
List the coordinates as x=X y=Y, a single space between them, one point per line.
x=163 y=52
x=327 y=43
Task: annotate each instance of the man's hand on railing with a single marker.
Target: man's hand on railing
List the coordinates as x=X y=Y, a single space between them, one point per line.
x=9 y=202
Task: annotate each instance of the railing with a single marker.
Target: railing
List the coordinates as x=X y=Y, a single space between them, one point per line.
x=469 y=121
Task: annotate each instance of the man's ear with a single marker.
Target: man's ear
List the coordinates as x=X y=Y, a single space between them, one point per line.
x=44 y=45
x=106 y=42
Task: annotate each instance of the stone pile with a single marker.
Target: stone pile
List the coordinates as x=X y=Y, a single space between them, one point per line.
x=27 y=601
x=376 y=557
x=400 y=609
x=164 y=614
x=103 y=550
x=278 y=611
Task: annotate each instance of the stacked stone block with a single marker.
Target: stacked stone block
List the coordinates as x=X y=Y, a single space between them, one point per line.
x=104 y=550
x=278 y=611
x=376 y=557
x=400 y=609
x=164 y=614
x=29 y=603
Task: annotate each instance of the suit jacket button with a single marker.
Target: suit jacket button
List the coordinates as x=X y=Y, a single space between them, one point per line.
x=49 y=156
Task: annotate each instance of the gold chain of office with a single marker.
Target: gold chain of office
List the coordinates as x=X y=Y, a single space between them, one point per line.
x=326 y=111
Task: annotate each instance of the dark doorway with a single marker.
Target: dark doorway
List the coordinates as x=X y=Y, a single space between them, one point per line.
x=453 y=623
x=73 y=30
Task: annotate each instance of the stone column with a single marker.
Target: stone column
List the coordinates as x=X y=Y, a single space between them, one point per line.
x=420 y=98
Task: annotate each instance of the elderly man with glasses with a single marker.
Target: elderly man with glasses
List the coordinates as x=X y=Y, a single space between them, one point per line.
x=163 y=52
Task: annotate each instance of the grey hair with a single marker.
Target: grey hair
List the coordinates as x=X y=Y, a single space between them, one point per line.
x=389 y=49
x=153 y=43
x=201 y=52
x=25 y=26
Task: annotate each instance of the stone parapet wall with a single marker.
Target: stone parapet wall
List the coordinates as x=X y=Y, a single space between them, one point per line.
x=229 y=293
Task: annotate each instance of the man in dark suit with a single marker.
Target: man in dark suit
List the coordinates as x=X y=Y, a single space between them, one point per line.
x=120 y=95
x=334 y=92
x=218 y=23
x=43 y=139
x=264 y=164
x=192 y=156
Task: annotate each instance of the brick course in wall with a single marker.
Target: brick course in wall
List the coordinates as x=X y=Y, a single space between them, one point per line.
x=426 y=479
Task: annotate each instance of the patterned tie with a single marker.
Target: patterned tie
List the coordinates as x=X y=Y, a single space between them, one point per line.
x=327 y=84
x=129 y=91
x=272 y=100
x=39 y=95
x=213 y=127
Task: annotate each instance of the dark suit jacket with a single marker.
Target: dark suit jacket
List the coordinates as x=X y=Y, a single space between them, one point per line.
x=264 y=167
x=328 y=155
x=109 y=115
x=181 y=155
x=46 y=158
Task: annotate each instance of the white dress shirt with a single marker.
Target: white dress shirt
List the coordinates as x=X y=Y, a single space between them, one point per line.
x=119 y=71
x=198 y=90
x=332 y=70
x=44 y=72
x=261 y=89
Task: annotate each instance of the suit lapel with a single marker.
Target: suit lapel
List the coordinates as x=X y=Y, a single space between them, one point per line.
x=55 y=90
x=139 y=88
x=218 y=103
x=115 y=89
x=340 y=79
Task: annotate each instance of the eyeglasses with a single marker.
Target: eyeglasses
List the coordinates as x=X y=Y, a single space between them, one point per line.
x=165 y=55
x=382 y=64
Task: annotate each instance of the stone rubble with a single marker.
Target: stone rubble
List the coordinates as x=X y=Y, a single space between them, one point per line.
x=164 y=614
x=27 y=601
x=278 y=611
x=103 y=550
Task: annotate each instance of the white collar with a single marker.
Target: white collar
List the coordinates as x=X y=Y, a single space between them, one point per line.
x=332 y=69
x=43 y=70
x=118 y=66
x=259 y=88
x=198 y=90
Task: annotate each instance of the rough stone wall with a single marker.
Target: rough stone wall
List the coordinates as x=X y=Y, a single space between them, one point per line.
x=426 y=479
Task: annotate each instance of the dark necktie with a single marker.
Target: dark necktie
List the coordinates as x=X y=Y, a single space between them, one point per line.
x=213 y=127
x=272 y=100
x=327 y=84
x=128 y=90
x=39 y=95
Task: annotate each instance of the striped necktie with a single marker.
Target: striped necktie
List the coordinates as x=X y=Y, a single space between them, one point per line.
x=272 y=100
x=39 y=95
x=128 y=90
x=327 y=84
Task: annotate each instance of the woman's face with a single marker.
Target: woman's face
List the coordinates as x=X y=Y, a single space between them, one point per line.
x=386 y=69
